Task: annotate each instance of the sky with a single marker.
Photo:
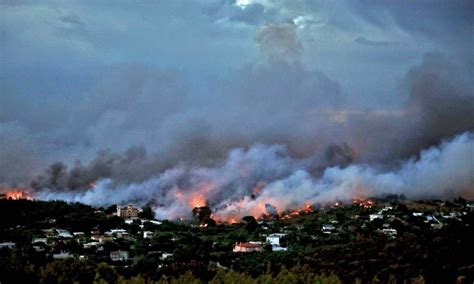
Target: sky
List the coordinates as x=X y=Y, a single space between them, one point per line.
x=127 y=90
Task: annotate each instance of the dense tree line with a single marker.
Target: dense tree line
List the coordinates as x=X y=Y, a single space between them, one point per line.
x=200 y=255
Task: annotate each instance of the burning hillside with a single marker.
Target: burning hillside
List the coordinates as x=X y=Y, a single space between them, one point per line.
x=16 y=194
x=267 y=181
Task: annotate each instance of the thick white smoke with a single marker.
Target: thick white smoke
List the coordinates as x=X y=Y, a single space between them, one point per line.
x=250 y=179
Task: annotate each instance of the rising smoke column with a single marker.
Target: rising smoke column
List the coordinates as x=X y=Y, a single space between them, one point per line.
x=284 y=183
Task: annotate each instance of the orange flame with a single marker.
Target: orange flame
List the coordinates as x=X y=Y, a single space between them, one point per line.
x=365 y=203
x=17 y=194
x=197 y=201
x=308 y=208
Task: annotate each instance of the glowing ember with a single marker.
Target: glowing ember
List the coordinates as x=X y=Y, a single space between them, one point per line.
x=17 y=195
x=365 y=203
x=232 y=220
x=308 y=208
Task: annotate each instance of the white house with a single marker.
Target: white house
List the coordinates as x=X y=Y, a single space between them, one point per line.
x=165 y=256
x=328 y=228
x=8 y=245
x=78 y=234
x=62 y=255
x=119 y=233
x=372 y=217
x=39 y=240
x=91 y=245
x=64 y=233
x=119 y=255
x=390 y=232
x=148 y=235
x=274 y=239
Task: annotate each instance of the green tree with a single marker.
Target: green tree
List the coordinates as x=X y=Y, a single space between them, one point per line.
x=105 y=274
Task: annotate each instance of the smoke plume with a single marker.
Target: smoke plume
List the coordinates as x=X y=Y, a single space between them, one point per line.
x=266 y=180
x=249 y=109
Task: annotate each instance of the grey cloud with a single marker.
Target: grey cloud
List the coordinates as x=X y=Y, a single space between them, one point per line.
x=377 y=43
x=252 y=14
x=279 y=41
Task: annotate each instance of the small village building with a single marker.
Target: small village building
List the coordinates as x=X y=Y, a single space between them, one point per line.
x=437 y=226
x=148 y=234
x=62 y=255
x=39 y=247
x=470 y=207
x=91 y=245
x=165 y=255
x=248 y=247
x=119 y=255
x=372 y=217
x=39 y=240
x=7 y=245
x=127 y=211
x=390 y=232
x=274 y=239
x=279 y=248
x=118 y=233
x=328 y=228
x=78 y=234
x=64 y=234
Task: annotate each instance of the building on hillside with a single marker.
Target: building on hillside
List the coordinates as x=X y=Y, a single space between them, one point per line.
x=127 y=211
x=90 y=245
x=328 y=228
x=274 y=239
x=248 y=247
x=62 y=255
x=470 y=206
x=119 y=255
x=392 y=233
x=8 y=245
x=78 y=234
x=372 y=217
x=148 y=235
x=64 y=234
x=39 y=240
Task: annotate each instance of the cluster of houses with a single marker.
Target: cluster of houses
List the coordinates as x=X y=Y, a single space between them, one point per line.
x=52 y=238
x=386 y=215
